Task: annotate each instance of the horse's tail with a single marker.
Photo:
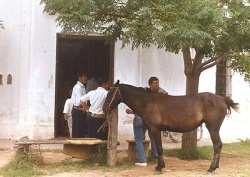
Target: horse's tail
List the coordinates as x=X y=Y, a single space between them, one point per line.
x=231 y=104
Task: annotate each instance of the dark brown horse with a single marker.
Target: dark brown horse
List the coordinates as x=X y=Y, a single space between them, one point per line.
x=161 y=112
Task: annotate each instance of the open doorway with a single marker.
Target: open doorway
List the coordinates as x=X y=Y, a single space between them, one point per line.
x=91 y=53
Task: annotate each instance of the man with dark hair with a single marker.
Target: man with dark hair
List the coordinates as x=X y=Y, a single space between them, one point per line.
x=96 y=117
x=79 y=117
x=154 y=85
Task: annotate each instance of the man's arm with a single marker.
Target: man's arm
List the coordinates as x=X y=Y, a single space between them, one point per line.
x=85 y=106
x=84 y=99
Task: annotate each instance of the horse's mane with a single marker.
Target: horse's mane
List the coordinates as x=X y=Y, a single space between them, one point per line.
x=144 y=89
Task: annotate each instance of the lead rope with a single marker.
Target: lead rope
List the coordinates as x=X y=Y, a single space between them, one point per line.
x=105 y=123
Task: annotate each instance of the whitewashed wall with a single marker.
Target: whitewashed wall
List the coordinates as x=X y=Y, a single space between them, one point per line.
x=235 y=126
x=136 y=67
x=28 y=53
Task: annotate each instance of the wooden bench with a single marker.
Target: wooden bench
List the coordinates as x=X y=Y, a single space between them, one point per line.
x=78 y=147
x=132 y=152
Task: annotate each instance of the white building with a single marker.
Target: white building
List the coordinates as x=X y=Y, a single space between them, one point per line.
x=36 y=60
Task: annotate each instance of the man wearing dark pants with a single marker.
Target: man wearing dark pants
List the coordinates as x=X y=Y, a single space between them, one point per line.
x=79 y=116
x=96 y=117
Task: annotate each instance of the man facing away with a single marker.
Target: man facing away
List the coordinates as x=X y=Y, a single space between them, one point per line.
x=96 y=117
x=79 y=117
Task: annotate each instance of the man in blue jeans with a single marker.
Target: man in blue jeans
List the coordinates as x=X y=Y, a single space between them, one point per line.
x=138 y=135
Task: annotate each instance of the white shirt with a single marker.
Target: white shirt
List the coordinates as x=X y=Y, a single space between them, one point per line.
x=97 y=98
x=77 y=93
x=68 y=107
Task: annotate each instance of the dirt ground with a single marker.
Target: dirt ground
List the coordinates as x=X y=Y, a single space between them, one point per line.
x=229 y=167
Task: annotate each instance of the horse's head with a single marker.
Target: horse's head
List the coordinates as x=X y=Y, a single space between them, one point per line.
x=113 y=99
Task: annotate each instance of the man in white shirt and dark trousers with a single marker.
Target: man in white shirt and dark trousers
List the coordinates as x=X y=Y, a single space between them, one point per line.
x=96 y=117
x=79 y=116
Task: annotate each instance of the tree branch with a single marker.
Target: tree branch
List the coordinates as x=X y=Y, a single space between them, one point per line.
x=210 y=63
x=197 y=59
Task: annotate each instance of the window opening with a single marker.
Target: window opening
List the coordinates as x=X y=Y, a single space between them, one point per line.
x=9 y=79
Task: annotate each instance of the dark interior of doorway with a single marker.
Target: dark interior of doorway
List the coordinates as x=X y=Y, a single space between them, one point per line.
x=92 y=54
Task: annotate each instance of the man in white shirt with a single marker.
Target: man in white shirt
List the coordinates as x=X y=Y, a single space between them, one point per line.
x=67 y=113
x=96 y=117
x=79 y=117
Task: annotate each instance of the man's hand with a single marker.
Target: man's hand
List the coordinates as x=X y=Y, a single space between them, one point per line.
x=66 y=116
x=129 y=111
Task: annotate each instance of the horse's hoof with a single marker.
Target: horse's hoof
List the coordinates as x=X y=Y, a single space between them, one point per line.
x=209 y=173
x=157 y=172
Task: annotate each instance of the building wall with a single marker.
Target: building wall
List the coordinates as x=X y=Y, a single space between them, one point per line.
x=28 y=53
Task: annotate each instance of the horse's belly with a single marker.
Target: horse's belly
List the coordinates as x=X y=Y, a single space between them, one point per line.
x=182 y=125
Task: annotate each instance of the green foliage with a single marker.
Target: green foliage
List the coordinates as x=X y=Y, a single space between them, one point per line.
x=241 y=149
x=21 y=170
x=232 y=150
x=205 y=152
x=215 y=32
x=24 y=165
x=241 y=63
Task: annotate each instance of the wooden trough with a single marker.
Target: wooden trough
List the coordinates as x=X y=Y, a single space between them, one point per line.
x=82 y=148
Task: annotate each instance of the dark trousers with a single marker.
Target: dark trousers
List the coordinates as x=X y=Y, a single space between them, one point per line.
x=94 y=125
x=79 y=124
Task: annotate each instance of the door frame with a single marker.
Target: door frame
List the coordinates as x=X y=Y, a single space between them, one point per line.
x=111 y=70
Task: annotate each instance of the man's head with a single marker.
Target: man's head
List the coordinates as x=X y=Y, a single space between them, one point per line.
x=153 y=83
x=104 y=83
x=82 y=77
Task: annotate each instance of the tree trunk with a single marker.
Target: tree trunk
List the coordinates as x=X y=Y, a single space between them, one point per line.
x=189 y=140
x=112 y=138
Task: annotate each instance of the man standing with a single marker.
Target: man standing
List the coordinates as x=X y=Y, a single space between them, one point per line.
x=79 y=117
x=96 y=117
x=154 y=85
x=138 y=136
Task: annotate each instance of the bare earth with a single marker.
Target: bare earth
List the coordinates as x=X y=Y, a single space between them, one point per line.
x=229 y=167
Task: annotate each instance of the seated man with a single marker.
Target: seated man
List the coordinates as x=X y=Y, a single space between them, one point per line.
x=96 y=118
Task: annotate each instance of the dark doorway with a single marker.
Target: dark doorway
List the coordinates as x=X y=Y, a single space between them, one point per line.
x=75 y=52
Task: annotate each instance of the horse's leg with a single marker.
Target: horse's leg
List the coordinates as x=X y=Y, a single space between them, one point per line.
x=217 y=144
x=158 y=143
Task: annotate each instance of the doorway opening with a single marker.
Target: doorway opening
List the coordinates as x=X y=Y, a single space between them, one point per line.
x=90 y=53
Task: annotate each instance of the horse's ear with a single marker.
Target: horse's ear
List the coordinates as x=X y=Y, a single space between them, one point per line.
x=117 y=83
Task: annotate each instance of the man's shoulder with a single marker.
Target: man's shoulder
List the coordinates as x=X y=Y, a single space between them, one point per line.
x=161 y=90
x=68 y=101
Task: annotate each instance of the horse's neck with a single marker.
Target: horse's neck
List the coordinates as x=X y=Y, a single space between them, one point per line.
x=130 y=96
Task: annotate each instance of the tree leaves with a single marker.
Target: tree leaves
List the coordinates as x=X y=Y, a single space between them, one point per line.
x=207 y=26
